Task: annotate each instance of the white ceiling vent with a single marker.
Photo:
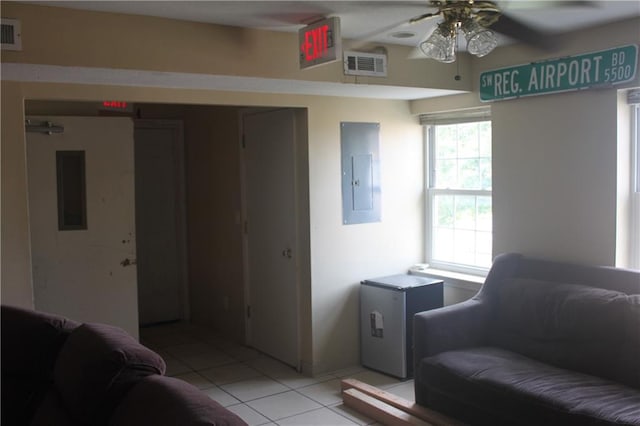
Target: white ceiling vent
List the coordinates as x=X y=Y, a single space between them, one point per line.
x=368 y=64
x=11 y=34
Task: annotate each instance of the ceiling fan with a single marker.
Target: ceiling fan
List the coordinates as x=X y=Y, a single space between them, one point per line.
x=478 y=21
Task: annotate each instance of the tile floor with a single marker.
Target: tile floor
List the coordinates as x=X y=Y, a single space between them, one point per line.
x=258 y=388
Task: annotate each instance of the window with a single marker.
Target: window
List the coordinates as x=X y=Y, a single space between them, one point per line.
x=634 y=100
x=459 y=202
x=72 y=206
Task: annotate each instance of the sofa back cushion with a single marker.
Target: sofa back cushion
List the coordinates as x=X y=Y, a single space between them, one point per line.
x=160 y=400
x=582 y=328
x=31 y=342
x=97 y=367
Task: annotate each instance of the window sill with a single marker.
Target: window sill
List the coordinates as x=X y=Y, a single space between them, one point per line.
x=454 y=279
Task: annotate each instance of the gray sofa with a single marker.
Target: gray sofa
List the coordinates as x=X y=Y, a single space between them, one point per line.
x=542 y=343
x=57 y=372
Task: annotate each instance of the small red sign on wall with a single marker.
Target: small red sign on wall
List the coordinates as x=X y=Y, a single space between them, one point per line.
x=320 y=43
x=122 y=106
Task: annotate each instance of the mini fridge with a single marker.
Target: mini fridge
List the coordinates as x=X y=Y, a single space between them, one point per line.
x=387 y=306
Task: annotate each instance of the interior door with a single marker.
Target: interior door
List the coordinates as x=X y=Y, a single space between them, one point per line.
x=269 y=140
x=160 y=220
x=84 y=269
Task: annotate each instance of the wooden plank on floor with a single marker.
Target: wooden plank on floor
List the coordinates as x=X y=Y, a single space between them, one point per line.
x=410 y=407
x=378 y=410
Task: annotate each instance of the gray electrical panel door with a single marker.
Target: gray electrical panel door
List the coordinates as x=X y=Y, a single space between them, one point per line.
x=360 y=143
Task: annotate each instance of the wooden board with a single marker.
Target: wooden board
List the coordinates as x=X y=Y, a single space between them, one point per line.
x=423 y=413
x=378 y=410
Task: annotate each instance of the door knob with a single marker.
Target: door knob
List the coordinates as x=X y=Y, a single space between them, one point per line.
x=287 y=253
x=128 y=262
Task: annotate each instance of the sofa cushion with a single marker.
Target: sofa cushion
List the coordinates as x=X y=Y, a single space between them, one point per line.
x=528 y=390
x=569 y=326
x=630 y=354
x=174 y=402
x=51 y=411
x=97 y=366
x=31 y=342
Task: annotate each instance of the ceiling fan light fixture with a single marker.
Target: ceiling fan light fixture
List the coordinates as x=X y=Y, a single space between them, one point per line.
x=441 y=45
x=480 y=40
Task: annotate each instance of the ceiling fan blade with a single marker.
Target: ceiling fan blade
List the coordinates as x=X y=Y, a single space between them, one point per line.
x=522 y=32
x=423 y=17
x=537 y=4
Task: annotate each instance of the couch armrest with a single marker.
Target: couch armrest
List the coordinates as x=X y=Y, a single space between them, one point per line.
x=449 y=328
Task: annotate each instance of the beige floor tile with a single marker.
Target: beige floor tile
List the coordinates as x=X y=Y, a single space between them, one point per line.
x=174 y=366
x=206 y=360
x=249 y=415
x=196 y=380
x=283 y=405
x=320 y=417
x=404 y=390
x=347 y=371
x=220 y=396
x=374 y=378
x=230 y=373
x=187 y=349
x=270 y=366
x=352 y=414
x=326 y=393
x=247 y=390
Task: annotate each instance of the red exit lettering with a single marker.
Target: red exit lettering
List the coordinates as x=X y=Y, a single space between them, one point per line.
x=316 y=43
x=114 y=104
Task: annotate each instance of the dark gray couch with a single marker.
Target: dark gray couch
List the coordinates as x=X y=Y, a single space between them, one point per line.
x=542 y=343
x=57 y=372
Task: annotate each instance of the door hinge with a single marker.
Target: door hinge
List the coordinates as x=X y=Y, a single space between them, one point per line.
x=244 y=141
x=246 y=227
x=248 y=311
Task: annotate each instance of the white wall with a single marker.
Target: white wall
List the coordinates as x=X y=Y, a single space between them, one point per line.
x=560 y=149
x=554 y=158
x=344 y=255
x=341 y=256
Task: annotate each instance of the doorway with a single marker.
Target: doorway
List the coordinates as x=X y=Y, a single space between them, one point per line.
x=81 y=219
x=273 y=257
x=160 y=221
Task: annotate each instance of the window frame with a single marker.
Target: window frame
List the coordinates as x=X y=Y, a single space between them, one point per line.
x=429 y=125
x=634 y=243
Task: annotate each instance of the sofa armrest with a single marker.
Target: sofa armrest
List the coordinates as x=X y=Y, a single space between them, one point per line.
x=449 y=328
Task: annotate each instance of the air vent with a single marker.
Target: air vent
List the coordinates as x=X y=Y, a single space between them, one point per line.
x=368 y=64
x=11 y=34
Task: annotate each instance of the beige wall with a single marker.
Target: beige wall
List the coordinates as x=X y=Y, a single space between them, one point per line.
x=554 y=158
x=554 y=167
x=341 y=256
x=95 y=39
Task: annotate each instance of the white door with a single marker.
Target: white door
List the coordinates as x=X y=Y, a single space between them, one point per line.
x=84 y=269
x=269 y=154
x=160 y=221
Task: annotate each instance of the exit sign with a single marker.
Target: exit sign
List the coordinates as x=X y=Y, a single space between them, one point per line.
x=116 y=106
x=320 y=43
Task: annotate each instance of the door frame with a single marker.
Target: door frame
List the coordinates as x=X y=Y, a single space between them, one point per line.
x=181 y=201
x=302 y=256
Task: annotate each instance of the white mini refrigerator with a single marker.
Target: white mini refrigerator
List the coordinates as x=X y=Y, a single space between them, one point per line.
x=387 y=306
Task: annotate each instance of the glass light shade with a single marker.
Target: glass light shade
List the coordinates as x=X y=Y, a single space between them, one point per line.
x=480 y=40
x=441 y=45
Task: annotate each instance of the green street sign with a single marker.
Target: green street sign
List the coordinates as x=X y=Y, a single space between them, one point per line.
x=603 y=68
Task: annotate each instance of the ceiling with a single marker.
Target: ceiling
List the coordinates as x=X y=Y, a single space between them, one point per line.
x=364 y=21
x=374 y=21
